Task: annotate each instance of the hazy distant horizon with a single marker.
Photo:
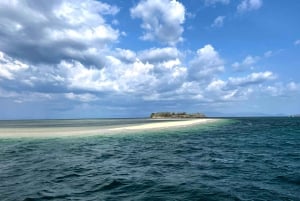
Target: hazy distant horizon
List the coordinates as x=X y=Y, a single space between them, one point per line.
x=148 y=117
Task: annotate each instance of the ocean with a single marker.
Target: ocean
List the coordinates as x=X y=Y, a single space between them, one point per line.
x=233 y=159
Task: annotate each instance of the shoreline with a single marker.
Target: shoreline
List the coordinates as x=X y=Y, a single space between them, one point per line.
x=58 y=132
x=170 y=123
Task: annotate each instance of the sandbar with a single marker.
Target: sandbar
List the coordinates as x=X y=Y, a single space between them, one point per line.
x=167 y=124
x=57 y=132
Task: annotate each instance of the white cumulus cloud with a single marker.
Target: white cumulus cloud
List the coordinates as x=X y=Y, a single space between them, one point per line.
x=216 y=85
x=218 y=22
x=247 y=63
x=9 y=66
x=155 y=55
x=253 y=78
x=249 y=5
x=206 y=64
x=281 y=89
x=125 y=55
x=162 y=20
x=56 y=30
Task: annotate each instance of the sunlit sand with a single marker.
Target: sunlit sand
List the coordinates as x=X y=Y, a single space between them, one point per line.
x=56 y=132
x=168 y=124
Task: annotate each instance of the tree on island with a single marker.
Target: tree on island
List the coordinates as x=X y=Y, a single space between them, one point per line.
x=176 y=115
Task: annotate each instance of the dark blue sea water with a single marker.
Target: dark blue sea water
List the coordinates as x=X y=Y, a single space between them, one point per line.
x=235 y=159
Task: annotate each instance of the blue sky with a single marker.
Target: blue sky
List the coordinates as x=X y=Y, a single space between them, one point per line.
x=121 y=58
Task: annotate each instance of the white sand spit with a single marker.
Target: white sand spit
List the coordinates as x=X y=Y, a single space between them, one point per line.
x=56 y=132
x=168 y=124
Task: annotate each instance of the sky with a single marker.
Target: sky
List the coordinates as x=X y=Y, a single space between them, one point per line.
x=128 y=58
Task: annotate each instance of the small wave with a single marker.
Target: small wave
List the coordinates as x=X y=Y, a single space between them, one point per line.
x=46 y=197
x=293 y=179
x=67 y=176
x=110 y=185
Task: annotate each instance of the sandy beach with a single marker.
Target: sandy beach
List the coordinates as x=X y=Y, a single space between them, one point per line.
x=56 y=132
x=161 y=125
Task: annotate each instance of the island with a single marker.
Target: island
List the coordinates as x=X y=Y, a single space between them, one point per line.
x=175 y=115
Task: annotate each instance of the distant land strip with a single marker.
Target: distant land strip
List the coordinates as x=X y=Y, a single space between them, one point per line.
x=174 y=115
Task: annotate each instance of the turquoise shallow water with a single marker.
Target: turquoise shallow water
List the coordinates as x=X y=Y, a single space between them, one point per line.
x=236 y=159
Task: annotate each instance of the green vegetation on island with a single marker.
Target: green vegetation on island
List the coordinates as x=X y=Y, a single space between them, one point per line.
x=178 y=115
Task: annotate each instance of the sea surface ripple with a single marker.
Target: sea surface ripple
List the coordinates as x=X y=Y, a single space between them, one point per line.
x=238 y=159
